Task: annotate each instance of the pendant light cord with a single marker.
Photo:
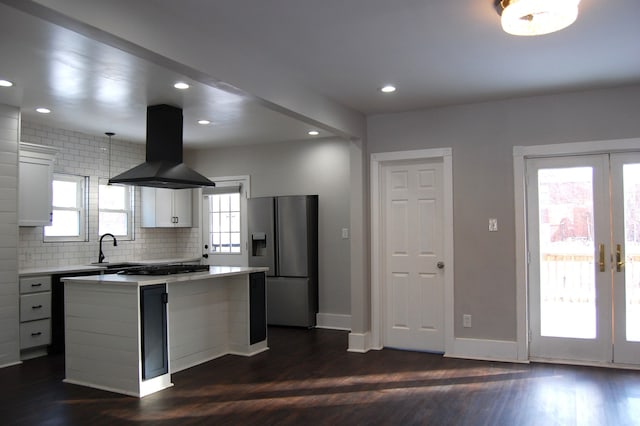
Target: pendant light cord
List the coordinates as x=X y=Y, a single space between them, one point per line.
x=109 y=134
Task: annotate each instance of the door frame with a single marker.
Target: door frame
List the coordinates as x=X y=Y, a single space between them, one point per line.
x=520 y=155
x=378 y=300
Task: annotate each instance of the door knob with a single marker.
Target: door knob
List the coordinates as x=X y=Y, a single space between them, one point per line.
x=619 y=261
x=440 y=265
x=206 y=256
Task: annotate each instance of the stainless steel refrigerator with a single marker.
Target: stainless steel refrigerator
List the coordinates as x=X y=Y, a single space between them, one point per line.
x=284 y=237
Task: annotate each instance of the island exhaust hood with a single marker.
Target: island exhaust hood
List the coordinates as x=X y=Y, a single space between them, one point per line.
x=163 y=167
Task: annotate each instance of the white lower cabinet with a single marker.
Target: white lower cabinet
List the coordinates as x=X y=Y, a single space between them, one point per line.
x=35 y=316
x=35 y=306
x=35 y=333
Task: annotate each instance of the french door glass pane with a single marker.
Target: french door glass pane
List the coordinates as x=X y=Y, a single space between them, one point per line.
x=631 y=176
x=567 y=250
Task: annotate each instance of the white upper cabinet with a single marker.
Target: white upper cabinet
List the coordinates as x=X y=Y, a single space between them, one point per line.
x=166 y=208
x=35 y=184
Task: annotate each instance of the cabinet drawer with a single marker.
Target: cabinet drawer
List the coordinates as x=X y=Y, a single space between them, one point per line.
x=35 y=306
x=34 y=284
x=35 y=333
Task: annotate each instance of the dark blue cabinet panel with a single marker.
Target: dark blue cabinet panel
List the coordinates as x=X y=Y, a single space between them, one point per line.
x=153 y=317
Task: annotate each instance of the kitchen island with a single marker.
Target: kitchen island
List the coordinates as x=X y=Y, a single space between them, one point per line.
x=128 y=333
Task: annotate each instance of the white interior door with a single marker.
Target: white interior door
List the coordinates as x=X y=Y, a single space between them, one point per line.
x=583 y=286
x=413 y=241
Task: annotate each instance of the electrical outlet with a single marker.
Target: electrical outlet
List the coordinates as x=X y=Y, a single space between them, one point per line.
x=466 y=321
x=493 y=225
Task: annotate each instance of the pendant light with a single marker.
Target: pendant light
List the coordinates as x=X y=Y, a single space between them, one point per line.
x=536 y=17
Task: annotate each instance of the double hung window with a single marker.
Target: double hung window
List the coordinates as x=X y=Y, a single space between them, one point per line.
x=69 y=202
x=115 y=212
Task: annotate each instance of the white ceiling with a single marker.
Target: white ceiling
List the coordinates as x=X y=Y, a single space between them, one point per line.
x=437 y=53
x=94 y=88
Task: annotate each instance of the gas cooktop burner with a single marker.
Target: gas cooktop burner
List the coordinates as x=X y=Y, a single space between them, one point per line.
x=163 y=269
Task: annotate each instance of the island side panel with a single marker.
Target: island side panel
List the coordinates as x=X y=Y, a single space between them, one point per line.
x=240 y=318
x=238 y=288
x=102 y=347
x=198 y=312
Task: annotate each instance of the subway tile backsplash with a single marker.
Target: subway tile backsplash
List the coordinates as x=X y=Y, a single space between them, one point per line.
x=87 y=155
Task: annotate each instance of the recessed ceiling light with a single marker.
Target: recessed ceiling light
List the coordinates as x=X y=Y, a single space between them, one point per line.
x=181 y=85
x=388 y=89
x=204 y=122
x=43 y=110
x=313 y=133
x=5 y=83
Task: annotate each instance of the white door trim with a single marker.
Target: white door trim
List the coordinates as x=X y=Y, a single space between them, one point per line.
x=377 y=161
x=520 y=154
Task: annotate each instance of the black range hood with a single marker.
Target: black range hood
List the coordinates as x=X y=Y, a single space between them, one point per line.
x=163 y=167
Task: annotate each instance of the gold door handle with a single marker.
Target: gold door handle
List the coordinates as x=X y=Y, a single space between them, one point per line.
x=619 y=261
x=601 y=262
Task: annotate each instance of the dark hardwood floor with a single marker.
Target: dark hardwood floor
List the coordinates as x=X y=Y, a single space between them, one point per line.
x=308 y=377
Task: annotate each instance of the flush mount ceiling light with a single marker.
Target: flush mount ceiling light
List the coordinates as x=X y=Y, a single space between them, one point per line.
x=536 y=17
x=388 y=89
x=313 y=133
x=204 y=122
x=43 y=110
x=5 y=83
x=180 y=85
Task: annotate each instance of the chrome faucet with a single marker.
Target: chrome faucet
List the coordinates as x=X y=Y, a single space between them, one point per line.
x=115 y=243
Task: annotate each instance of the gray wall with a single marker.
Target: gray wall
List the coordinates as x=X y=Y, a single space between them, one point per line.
x=293 y=168
x=482 y=137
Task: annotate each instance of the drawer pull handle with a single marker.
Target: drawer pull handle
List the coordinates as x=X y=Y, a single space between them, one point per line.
x=36 y=285
x=36 y=307
x=36 y=334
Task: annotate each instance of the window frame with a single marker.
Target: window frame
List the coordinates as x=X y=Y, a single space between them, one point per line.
x=129 y=211
x=82 y=200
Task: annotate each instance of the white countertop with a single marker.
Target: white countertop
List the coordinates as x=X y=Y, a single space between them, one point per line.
x=57 y=270
x=141 y=280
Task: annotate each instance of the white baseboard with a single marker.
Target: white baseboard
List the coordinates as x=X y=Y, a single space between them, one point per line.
x=10 y=364
x=359 y=342
x=333 y=321
x=487 y=350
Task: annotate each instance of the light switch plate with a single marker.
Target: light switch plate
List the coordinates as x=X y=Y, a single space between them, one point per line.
x=345 y=233
x=466 y=321
x=493 y=225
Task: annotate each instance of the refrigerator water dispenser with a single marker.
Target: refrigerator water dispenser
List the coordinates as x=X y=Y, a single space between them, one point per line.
x=259 y=244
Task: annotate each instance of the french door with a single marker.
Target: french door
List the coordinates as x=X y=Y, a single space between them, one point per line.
x=584 y=258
